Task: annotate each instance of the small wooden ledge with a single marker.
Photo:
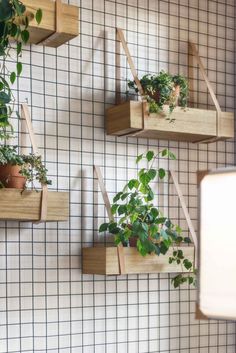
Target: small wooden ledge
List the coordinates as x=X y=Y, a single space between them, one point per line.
x=53 y=31
x=26 y=206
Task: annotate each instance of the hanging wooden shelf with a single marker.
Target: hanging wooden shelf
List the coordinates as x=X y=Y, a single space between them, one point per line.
x=32 y=205
x=26 y=206
x=132 y=118
x=105 y=261
x=192 y=125
x=59 y=22
x=127 y=260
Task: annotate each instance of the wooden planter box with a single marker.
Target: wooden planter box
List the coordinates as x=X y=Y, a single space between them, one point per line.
x=191 y=125
x=68 y=24
x=25 y=206
x=104 y=261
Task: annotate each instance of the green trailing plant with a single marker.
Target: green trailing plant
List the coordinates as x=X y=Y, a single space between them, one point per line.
x=138 y=218
x=13 y=29
x=31 y=166
x=14 y=33
x=163 y=89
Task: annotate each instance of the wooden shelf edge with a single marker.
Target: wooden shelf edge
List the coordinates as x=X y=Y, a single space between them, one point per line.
x=16 y=205
x=104 y=261
x=47 y=29
x=190 y=124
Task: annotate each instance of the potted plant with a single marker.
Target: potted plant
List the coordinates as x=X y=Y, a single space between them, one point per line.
x=140 y=223
x=18 y=169
x=15 y=169
x=163 y=89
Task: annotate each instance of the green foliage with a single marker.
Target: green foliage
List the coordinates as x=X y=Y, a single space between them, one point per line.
x=163 y=89
x=13 y=27
x=31 y=165
x=138 y=217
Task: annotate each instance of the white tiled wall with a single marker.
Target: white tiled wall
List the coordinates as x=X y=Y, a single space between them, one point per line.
x=46 y=304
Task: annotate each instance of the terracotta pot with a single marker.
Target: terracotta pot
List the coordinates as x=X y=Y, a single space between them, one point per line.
x=173 y=97
x=10 y=176
x=133 y=242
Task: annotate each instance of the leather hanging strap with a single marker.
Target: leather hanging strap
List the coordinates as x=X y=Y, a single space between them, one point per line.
x=185 y=211
x=120 y=36
x=25 y=114
x=195 y=53
x=120 y=248
x=58 y=25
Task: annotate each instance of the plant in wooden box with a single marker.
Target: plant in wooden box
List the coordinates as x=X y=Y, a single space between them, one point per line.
x=18 y=169
x=143 y=225
x=15 y=169
x=163 y=89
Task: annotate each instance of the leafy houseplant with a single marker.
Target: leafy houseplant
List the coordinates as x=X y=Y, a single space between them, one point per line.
x=15 y=169
x=13 y=28
x=141 y=223
x=163 y=89
x=24 y=168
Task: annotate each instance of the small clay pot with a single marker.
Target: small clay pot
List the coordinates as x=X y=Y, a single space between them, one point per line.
x=133 y=242
x=10 y=177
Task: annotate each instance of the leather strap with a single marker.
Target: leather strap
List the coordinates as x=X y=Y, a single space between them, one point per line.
x=194 y=50
x=120 y=36
x=25 y=114
x=120 y=248
x=58 y=27
x=185 y=211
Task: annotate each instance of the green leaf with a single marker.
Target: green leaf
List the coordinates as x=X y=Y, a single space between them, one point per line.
x=12 y=77
x=145 y=179
x=153 y=229
x=187 y=264
x=6 y=10
x=124 y=196
x=187 y=240
x=25 y=36
x=122 y=209
x=164 y=235
x=161 y=173
x=38 y=16
x=139 y=158
x=117 y=197
x=149 y=155
x=133 y=183
x=19 y=48
x=178 y=229
x=154 y=212
x=19 y=68
x=161 y=220
x=180 y=254
x=114 y=208
x=190 y=280
x=4 y=98
x=113 y=228
x=150 y=195
x=179 y=240
x=14 y=29
x=152 y=173
x=167 y=153
x=103 y=227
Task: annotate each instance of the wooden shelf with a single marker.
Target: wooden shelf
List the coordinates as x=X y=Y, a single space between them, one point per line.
x=25 y=206
x=192 y=125
x=69 y=26
x=104 y=261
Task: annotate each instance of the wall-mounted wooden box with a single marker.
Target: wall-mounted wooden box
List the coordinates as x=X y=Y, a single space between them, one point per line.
x=25 y=206
x=69 y=25
x=104 y=261
x=192 y=125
